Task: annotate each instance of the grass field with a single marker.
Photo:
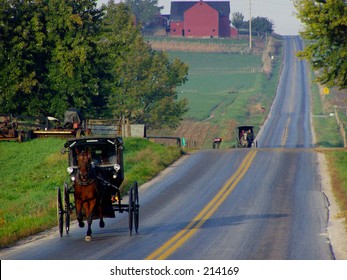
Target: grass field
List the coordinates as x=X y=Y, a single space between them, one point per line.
x=227 y=87
x=215 y=78
x=32 y=171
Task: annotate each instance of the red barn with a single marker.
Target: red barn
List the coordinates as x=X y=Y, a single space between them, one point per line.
x=200 y=19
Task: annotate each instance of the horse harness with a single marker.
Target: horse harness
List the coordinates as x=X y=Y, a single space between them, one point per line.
x=90 y=178
x=93 y=176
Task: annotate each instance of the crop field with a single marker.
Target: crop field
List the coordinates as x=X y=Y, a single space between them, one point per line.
x=202 y=41
x=213 y=45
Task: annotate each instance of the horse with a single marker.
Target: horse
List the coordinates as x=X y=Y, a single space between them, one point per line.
x=86 y=192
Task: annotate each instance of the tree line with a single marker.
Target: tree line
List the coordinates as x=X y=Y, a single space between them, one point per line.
x=260 y=25
x=58 y=54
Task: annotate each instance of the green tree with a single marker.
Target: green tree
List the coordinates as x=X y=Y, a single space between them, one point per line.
x=144 y=10
x=325 y=28
x=48 y=55
x=22 y=54
x=72 y=29
x=142 y=82
x=262 y=26
x=237 y=20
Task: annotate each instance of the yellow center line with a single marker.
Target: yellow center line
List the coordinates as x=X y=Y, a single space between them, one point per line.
x=182 y=236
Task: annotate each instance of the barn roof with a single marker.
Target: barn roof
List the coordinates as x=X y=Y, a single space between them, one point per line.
x=178 y=8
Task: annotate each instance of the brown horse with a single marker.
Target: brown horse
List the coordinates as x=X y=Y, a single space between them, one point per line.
x=86 y=192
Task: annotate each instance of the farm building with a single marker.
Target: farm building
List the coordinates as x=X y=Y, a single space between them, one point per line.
x=200 y=19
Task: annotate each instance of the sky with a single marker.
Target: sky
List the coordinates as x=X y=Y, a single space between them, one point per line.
x=280 y=12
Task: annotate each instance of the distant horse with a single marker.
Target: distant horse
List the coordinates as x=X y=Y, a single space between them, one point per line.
x=86 y=192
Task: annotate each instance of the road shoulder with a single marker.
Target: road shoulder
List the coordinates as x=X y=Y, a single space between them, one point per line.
x=336 y=227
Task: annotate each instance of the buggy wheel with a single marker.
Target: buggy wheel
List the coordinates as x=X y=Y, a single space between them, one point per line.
x=60 y=213
x=131 y=210
x=136 y=207
x=67 y=207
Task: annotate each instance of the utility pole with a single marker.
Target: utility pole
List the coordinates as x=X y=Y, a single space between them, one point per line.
x=250 y=26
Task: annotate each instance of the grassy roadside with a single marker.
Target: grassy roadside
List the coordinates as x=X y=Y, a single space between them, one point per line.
x=325 y=127
x=337 y=165
x=32 y=171
x=328 y=136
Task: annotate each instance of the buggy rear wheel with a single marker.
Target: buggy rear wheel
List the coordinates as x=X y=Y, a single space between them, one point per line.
x=131 y=210
x=60 y=213
x=67 y=208
x=136 y=206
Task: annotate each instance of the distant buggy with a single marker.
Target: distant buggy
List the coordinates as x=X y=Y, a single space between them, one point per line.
x=245 y=137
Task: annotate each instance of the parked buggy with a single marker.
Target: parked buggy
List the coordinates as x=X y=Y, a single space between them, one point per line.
x=95 y=166
x=245 y=137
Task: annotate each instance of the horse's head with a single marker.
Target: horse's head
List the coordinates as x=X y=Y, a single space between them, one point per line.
x=84 y=164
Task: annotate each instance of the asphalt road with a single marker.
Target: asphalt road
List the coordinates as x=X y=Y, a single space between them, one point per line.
x=263 y=203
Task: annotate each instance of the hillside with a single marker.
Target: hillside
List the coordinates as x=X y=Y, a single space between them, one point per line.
x=226 y=86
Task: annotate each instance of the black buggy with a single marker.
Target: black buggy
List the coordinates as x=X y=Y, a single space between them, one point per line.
x=245 y=137
x=106 y=155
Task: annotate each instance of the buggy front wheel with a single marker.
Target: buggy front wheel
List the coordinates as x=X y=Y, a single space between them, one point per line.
x=67 y=207
x=131 y=210
x=60 y=213
x=136 y=206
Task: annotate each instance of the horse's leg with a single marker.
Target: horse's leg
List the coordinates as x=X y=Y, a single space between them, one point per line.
x=89 y=230
x=99 y=204
x=101 y=216
x=79 y=213
x=89 y=212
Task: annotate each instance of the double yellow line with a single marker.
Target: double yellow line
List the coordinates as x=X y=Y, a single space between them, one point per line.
x=182 y=236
